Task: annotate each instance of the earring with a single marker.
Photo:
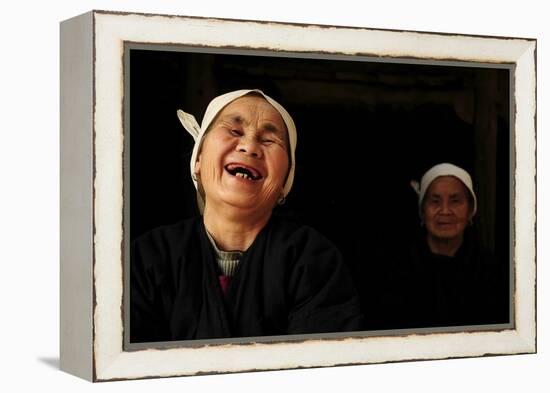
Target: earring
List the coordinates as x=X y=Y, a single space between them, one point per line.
x=282 y=200
x=194 y=176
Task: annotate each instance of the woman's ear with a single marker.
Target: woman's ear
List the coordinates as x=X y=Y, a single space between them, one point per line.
x=422 y=214
x=198 y=165
x=471 y=214
x=282 y=198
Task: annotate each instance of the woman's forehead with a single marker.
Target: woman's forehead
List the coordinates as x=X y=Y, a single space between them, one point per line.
x=249 y=105
x=448 y=185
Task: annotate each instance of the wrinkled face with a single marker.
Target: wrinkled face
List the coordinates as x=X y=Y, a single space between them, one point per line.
x=446 y=209
x=244 y=159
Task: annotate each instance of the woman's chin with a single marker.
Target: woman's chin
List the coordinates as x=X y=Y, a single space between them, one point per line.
x=446 y=236
x=241 y=199
x=239 y=195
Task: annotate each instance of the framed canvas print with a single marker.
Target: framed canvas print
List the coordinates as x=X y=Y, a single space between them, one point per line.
x=244 y=195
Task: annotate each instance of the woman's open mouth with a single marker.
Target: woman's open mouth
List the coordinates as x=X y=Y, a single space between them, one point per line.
x=243 y=171
x=445 y=223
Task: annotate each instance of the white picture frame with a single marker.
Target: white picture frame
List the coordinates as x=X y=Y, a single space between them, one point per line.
x=93 y=196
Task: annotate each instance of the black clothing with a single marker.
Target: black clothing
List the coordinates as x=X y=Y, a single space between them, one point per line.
x=416 y=288
x=469 y=288
x=291 y=280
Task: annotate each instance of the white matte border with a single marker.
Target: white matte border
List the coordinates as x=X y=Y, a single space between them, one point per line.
x=112 y=30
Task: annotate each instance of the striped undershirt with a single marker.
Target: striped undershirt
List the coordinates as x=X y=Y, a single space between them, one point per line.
x=227 y=260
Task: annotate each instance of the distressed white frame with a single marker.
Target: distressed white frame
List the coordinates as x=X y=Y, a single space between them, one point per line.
x=92 y=48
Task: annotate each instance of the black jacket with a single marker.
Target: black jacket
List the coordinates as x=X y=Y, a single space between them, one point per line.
x=290 y=281
x=470 y=288
x=410 y=287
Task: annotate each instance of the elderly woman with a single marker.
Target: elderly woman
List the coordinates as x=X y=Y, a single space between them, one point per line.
x=452 y=279
x=447 y=205
x=237 y=270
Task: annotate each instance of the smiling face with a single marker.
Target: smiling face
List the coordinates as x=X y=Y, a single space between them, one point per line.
x=244 y=158
x=446 y=209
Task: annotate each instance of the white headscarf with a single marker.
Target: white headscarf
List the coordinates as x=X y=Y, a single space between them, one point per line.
x=216 y=105
x=439 y=170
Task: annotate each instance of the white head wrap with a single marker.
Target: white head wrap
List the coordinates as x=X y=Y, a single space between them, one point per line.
x=439 y=170
x=216 y=105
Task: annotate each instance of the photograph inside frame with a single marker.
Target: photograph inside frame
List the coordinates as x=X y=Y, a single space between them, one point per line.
x=297 y=194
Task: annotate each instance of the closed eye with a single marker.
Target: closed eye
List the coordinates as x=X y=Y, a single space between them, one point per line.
x=457 y=198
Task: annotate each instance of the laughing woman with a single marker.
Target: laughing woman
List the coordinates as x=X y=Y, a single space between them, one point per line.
x=236 y=270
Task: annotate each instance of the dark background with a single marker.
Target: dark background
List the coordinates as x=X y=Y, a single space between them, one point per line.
x=365 y=129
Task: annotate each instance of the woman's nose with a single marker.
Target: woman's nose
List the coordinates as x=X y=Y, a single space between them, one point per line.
x=249 y=145
x=445 y=209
